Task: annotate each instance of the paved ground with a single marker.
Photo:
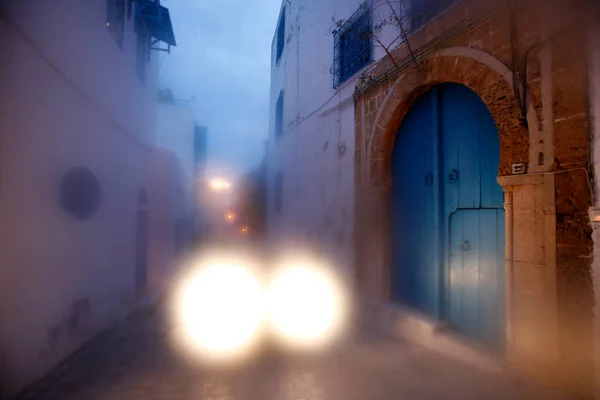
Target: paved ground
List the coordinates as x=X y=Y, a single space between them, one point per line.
x=135 y=361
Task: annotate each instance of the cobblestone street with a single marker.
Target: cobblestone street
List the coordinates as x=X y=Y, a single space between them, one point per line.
x=134 y=360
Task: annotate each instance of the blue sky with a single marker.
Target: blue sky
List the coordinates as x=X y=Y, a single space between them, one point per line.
x=222 y=59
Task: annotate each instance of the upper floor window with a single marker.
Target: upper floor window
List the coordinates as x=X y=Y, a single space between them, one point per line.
x=115 y=19
x=279 y=116
x=278 y=200
x=353 y=48
x=420 y=12
x=280 y=36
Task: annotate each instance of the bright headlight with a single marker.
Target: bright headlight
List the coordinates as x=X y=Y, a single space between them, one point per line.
x=306 y=305
x=220 y=310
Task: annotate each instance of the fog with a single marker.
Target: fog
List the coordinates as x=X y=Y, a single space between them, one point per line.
x=222 y=65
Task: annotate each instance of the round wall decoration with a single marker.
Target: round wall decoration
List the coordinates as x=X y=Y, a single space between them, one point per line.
x=80 y=193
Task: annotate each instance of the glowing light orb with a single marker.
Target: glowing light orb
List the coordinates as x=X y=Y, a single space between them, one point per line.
x=220 y=309
x=306 y=306
x=219 y=184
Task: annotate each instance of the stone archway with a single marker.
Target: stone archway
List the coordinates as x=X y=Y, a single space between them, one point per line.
x=539 y=205
x=479 y=71
x=529 y=198
x=378 y=115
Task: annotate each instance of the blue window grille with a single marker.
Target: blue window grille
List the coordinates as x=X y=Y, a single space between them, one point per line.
x=279 y=116
x=353 y=45
x=280 y=36
x=420 y=12
x=115 y=20
x=278 y=200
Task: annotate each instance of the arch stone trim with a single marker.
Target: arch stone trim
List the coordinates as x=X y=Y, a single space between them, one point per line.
x=487 y=76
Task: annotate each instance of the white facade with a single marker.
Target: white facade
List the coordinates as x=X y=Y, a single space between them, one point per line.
x=315 y=153
x=175 y=127
x=69 y=97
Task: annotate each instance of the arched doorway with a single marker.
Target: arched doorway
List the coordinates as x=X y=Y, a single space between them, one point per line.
x=447 y=213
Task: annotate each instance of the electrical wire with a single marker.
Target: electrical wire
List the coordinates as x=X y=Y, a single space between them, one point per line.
x=421 y=53
x=402 y=66
x=560 y=171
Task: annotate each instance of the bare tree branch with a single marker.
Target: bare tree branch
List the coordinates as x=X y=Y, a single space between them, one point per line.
x=376 y=30
x=403 y=33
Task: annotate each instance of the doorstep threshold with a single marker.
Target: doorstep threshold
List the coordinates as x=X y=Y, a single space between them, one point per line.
x=412 y=326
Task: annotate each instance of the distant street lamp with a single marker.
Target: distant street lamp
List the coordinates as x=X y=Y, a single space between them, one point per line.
x=229 y=216
x=219 y=184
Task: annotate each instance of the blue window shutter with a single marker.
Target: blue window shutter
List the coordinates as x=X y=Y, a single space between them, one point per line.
x=279 y=116
x=280 y=36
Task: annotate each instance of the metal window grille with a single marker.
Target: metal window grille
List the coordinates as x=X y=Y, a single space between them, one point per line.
x=353 y=45
x=278 y=201
x=420 y=12
x=280 y=36
x=115 y=19
x=279 y=116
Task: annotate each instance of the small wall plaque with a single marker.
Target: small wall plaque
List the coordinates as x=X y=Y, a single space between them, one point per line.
x=519 y=168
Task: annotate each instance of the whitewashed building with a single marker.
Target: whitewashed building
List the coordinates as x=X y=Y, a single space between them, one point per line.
x=77 y=114
x=366 y=166
x=311 y=147
x=175 y=132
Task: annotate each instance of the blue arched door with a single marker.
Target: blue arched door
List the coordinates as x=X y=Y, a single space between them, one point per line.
x=448 y=217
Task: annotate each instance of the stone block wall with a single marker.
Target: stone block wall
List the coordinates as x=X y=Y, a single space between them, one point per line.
x=528 y=62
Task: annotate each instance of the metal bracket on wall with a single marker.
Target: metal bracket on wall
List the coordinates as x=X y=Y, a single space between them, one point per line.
x=156 y=41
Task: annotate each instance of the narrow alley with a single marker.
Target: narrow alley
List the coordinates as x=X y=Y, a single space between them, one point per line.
x=133 y=360
x=412 y=185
